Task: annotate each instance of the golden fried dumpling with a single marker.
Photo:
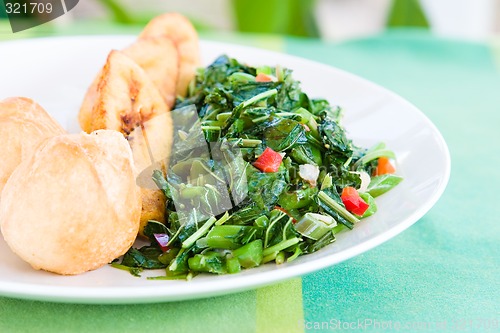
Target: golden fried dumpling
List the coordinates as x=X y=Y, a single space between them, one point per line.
x=23 y=125
x=73 y=205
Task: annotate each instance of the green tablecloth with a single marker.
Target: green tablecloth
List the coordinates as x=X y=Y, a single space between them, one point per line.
x=440 y=275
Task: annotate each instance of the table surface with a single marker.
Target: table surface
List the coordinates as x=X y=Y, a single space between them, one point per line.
x=442 y=274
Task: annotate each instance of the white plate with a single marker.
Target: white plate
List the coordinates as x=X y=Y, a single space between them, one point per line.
x=56 y=72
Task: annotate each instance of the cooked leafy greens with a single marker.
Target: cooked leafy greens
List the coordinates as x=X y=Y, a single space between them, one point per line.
x=225 y=212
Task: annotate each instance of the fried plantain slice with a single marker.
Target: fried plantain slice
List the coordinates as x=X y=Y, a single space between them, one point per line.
x=180 y=30
x=126 y=100
x=158 y=58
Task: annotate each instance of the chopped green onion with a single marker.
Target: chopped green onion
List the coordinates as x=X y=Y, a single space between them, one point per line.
x=233 y=265
x=250 y=143
x=314 y=226
x=212 y=133
x=241 y=77
x=337 y=207
x=175 y=236
x=259 y=119
x=280 y=258
x=264 y=95
x=374 y=155
x=281 y=246
x=202 y=243
x=328 y=238
x=269 y=257
x=223 y=219
x=223 y=116
x=172 y=268
x=309 y=120
x=250 y=255
x=280 y=75
x=262 y=221
x=326 y=182
x=210 y=262
x=245 y=143
x=225 y=236
x=200 y=232
x=210 y=128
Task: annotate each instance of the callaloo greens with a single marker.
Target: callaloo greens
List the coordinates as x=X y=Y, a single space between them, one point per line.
x=257 y=175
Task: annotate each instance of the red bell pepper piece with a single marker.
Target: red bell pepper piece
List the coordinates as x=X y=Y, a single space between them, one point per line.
x=269 y=161
x=353 y=202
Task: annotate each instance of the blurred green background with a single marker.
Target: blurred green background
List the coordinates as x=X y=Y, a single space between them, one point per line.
x=326 y=19
x=283 y=17
x=288 y=17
